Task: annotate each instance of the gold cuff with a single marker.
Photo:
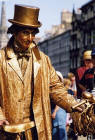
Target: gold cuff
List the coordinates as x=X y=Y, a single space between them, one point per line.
x=17 y=128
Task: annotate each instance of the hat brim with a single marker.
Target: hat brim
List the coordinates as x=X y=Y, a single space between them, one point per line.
x=23 y=24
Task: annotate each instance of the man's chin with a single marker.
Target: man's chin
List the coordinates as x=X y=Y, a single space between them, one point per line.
x=25 y=47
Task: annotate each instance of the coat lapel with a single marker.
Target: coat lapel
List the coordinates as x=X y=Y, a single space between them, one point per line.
x=13 y=63
x=36 y=62
x=37 y=98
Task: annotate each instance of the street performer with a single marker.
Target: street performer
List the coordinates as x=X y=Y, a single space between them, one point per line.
x=27 y=82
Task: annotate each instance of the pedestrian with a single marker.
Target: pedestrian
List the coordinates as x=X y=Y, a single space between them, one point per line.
x=59 y=117
x=72 y=78
x=81 y=70
x=27 y=82
x=86 y=82
x=69 y=122
x=67 y=84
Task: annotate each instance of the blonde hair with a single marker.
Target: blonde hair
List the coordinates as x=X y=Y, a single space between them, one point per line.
x=70 y=75
x=67 y=83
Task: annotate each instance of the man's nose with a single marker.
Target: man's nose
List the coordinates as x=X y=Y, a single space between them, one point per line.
x=30 y=37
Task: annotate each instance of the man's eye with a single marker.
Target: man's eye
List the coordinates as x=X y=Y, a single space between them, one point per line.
x=26 y=32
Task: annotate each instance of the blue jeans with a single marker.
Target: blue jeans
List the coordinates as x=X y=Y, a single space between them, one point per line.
x=59 y=133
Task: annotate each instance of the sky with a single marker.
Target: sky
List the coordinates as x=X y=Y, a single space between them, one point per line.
x=50 y=10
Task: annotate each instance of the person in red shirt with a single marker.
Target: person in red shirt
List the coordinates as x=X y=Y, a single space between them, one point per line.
x=80 y=71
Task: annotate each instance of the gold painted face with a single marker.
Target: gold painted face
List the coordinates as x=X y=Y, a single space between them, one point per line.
x=24 y=38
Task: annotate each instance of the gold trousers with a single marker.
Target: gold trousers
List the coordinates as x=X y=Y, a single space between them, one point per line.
x=30 y=134
x=25 y=131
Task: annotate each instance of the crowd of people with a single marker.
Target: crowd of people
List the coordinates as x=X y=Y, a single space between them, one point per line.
x=76 y=83
x=61 y=120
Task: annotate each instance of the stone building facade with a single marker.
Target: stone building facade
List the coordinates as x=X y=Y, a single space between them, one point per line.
x=83 y=33
x=58 y=49
x=57 y=43
x=76 y=42
x=82 y=36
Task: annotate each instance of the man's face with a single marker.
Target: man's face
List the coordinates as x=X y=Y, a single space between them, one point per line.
x=88 y=63
x=24 y=38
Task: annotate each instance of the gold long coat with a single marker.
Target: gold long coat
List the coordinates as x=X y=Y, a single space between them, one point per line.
x=46 y=85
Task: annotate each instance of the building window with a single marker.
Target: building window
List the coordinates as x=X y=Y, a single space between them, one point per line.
x=75 y=44
x=85 y=39
x=88 y=38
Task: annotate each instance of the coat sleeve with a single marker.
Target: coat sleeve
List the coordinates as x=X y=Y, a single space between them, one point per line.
x=58 y=92
x=2 y=116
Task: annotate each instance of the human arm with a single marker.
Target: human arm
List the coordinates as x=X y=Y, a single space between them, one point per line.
x=53 y=115
x=83 y=88
x=58 y=92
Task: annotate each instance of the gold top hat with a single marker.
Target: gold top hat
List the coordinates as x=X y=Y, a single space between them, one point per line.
x=26 y=16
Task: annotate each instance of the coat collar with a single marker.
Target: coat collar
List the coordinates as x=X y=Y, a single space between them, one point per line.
x=10 y=53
